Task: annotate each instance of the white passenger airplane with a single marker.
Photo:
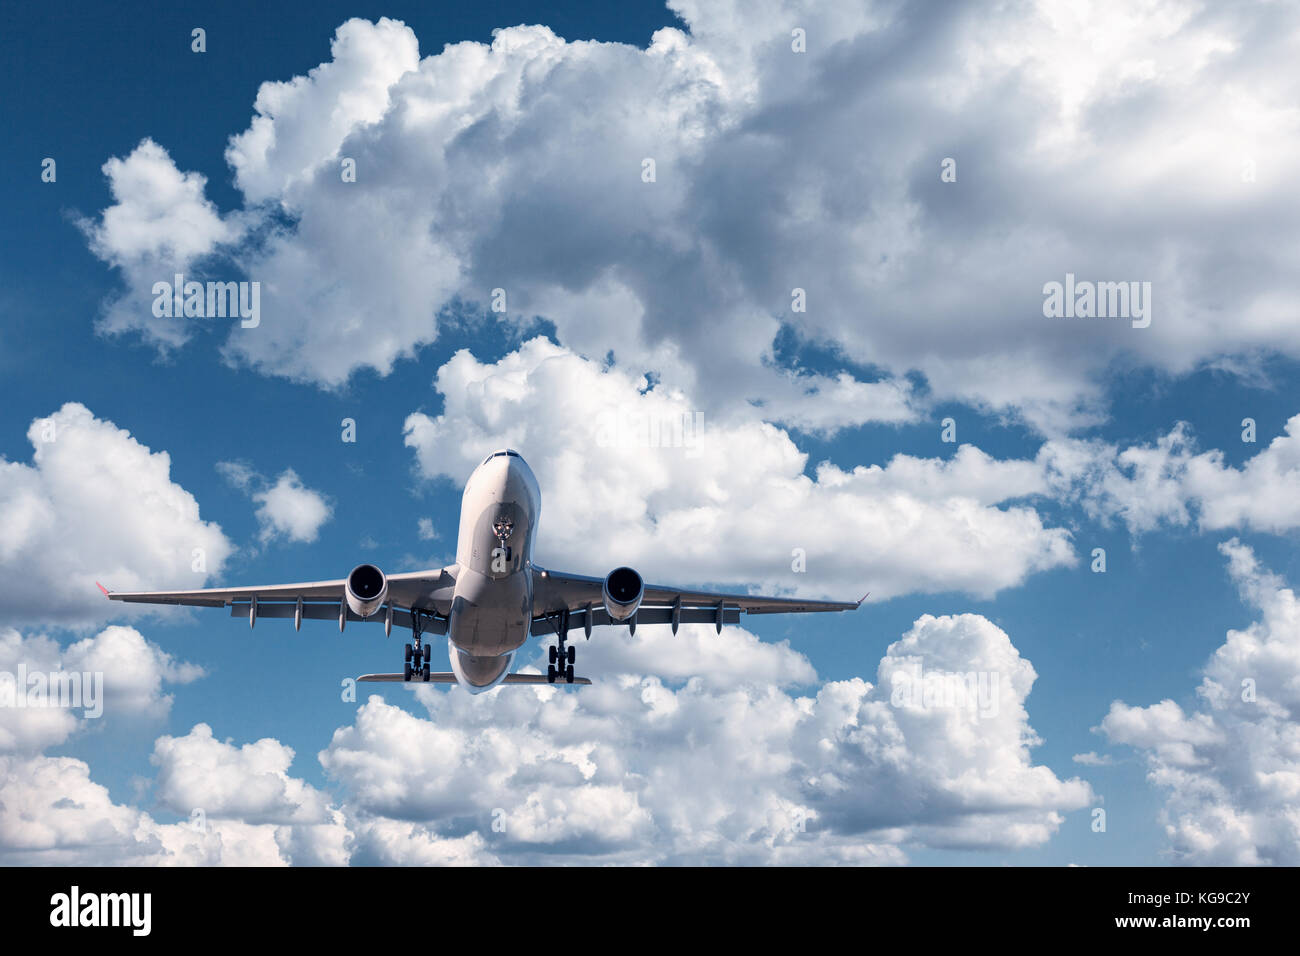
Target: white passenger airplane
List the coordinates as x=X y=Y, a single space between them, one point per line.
x=492 y=599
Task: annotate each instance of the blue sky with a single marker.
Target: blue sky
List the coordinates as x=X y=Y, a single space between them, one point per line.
x=924 y=299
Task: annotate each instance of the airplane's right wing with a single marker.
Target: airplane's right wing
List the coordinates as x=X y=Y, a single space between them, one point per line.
x=319 y=600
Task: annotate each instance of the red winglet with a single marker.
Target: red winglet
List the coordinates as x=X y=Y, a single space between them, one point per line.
x=102 y=588
x=860 y=600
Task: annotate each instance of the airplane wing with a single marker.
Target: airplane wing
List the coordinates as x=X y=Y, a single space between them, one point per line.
x=423 y=590
x=581 y=595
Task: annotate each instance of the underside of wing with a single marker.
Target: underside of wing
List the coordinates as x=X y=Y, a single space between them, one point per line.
x=582 y=596
x=426 y=591
x=220 y=597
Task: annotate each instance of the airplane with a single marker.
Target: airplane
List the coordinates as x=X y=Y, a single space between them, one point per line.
x=492 y=599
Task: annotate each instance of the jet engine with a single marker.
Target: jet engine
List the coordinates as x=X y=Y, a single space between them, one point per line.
x=622 y=591
x=366 y=589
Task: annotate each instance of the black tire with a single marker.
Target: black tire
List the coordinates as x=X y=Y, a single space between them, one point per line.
x=553 y=654
x=573 y=655
x=568 y=674
x=409 y=654
x=406 y=671
x=550 y=674
x=425 y=675
x=428 y=653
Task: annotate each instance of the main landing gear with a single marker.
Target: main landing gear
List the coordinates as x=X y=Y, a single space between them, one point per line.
x=417 y=657
x=562 y=655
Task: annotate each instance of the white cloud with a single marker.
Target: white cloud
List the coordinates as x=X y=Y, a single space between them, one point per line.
x=288 y=509
x=1092 y=759
x=723 y=767
x=120 y=675
x=239 y=474
x=719 y=769
x=95 y=505
x=134 y=671
x=1169 y=483
x=1227 y=763
x=517 y=165
x=238 y=807
x=380 y=841
x=301 y=123
x=732 y=501
x=31 y=729
x=426 y=530
x=159 y=224
x=249 y=783
x=53 y=814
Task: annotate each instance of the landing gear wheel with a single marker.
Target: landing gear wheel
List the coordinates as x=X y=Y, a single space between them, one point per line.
x=409 y=655
x=554 y=654
x=573 y=656
x=406 y=671
x=568 y=673
x=428 y=653
x=425 y=675
x=550 y=674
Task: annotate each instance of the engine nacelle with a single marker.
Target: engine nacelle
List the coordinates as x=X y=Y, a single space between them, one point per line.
x=622 y=591
x=366 y=589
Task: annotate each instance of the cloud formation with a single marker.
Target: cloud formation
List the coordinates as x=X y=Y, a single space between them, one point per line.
x=1227 y=762
x=519 y=165
x=725 y=767
x=93 y=505
x=636 y=475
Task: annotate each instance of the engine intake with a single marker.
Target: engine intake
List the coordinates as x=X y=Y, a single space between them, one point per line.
x=366 y=589
x=622 y=591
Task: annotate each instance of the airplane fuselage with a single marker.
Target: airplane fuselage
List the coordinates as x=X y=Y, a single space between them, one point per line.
x=492 y=605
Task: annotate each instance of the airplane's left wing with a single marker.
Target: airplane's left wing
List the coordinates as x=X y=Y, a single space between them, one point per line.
x=582 y=597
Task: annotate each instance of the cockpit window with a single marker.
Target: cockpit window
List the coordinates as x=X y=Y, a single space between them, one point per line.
x=498 y=454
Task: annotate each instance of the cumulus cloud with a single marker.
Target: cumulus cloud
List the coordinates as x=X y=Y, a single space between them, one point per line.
x=127 y=671
x=636 y=475
x=160 y=224
x=1226 y=762
x=517 y=165
x=238 y=806
x=728 y=764
x=134 y=671
x=30 y=729
x=287 y=509
x=1169 y=483
x=250 y=783
x=93 y=505
x=53 y=814
x=723 y=767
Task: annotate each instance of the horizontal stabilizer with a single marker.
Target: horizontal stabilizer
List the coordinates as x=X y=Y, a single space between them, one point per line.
x=435 y=678
x=445 y=678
